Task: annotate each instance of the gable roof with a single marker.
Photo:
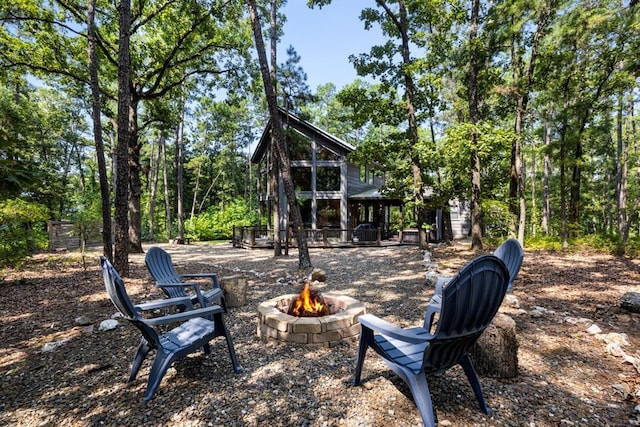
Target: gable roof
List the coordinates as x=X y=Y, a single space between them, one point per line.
x=305 y=128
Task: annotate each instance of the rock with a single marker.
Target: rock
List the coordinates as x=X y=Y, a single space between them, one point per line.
x=319 y=275
x=109 y=324
x=83 y=321
x=432 y=278
x=630 y=301
x=512 y=301
x=594 y=329
x=51 y=346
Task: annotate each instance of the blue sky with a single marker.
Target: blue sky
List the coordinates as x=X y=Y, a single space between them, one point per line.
x=324 y=39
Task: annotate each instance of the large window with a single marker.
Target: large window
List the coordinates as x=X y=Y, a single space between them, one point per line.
x=301 y=178
x=325 y=154
x=328 y=213
x=328 y=179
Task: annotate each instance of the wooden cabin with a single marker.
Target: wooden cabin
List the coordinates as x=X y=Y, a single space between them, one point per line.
x=333 y=193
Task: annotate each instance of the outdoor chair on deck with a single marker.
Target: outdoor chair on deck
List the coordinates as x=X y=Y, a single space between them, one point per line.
x=160 y=266
x=195 y=329
x=468 y=305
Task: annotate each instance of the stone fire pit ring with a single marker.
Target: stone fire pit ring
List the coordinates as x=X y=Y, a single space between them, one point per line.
x=341 y=324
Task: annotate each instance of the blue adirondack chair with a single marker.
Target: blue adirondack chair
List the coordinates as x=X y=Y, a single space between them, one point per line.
x=160 y=265
x=469 y=303
x=511 y=253
x=194 y=330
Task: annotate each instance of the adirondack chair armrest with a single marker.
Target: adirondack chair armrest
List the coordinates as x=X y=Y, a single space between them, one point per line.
x=185 y=315
x=167 y=302
x=412 y=335
x=195 y=286
x=442 y=281
x=212 y=276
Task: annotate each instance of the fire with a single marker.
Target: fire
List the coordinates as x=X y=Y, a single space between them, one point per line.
x=308 y=304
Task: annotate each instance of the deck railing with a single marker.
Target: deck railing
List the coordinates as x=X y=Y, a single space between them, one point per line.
x=256 y=237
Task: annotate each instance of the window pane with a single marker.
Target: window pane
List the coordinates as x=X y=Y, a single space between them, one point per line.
x=324 y=154
x=328 y=179
x=301 y=178
x=328 y=213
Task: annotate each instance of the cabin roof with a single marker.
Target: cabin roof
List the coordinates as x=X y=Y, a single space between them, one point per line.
x=305 y=128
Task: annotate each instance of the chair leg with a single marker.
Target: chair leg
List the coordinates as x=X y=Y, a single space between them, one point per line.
x=421 y=396
x=219 y=325
x=366 y=335
x=470 y=371
x=143 y=350
x=160 y=365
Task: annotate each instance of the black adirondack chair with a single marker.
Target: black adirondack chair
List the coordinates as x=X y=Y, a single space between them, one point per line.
x=160 y=265
x=194 y=330
x=468 y=304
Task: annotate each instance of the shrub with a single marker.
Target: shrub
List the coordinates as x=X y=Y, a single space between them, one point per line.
x=22 y=230
x=216 y=224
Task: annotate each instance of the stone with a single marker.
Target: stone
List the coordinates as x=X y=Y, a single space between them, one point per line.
x=109 y=324
x=318 y=275
x=83 y=321
x=630 y=301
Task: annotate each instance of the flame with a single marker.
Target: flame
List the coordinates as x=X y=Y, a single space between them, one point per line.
x=308 y=304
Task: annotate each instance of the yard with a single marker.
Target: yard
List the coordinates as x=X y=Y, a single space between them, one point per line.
x=570 y=374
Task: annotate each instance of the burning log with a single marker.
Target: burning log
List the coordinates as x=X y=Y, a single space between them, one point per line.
x=308 y=304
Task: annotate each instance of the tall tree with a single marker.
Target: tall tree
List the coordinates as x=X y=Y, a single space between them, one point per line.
x=121 y=255
x=96 y=108
x=281 y=152
x=474 y=116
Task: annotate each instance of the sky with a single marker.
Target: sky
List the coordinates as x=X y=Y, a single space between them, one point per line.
x=324 y=39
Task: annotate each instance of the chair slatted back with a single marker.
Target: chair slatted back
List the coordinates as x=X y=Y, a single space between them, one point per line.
x=160 y=265
x=118 y=294
x=469 y=303
x=511 y=253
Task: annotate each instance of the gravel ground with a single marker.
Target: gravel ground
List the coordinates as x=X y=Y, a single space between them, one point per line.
x=567 y=375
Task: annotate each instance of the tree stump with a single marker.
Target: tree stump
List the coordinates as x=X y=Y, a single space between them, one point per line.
x=495 y=354
x=235 y=290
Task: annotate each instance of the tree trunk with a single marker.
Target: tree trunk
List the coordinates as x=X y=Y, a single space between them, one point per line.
x=281 y=150
x=546 y=174
x=167 y=201
x=179 y=177
x=476 y=210
x=135 y=183
x=195 y=191
x=121 y=257
x=153 y=187
x=495 y=354
x=107 y=244
x=400 y=21
x=277 y=214
x=622 y=154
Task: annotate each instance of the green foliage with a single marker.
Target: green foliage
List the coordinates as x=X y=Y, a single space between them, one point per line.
x=498 y=221
x=542 y=242
x=215 y=223
x=21 y=230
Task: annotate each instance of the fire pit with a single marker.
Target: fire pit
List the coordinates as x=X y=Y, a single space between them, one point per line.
x=326 y=326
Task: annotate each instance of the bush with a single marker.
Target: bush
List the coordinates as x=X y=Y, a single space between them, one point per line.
x=216 y=224
x=497 y=219
x=22 y=230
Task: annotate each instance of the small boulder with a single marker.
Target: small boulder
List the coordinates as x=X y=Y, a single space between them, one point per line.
x=109 y=324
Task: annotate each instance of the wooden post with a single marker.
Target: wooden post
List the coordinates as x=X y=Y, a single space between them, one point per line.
x=235 y=290
x=495 y=354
